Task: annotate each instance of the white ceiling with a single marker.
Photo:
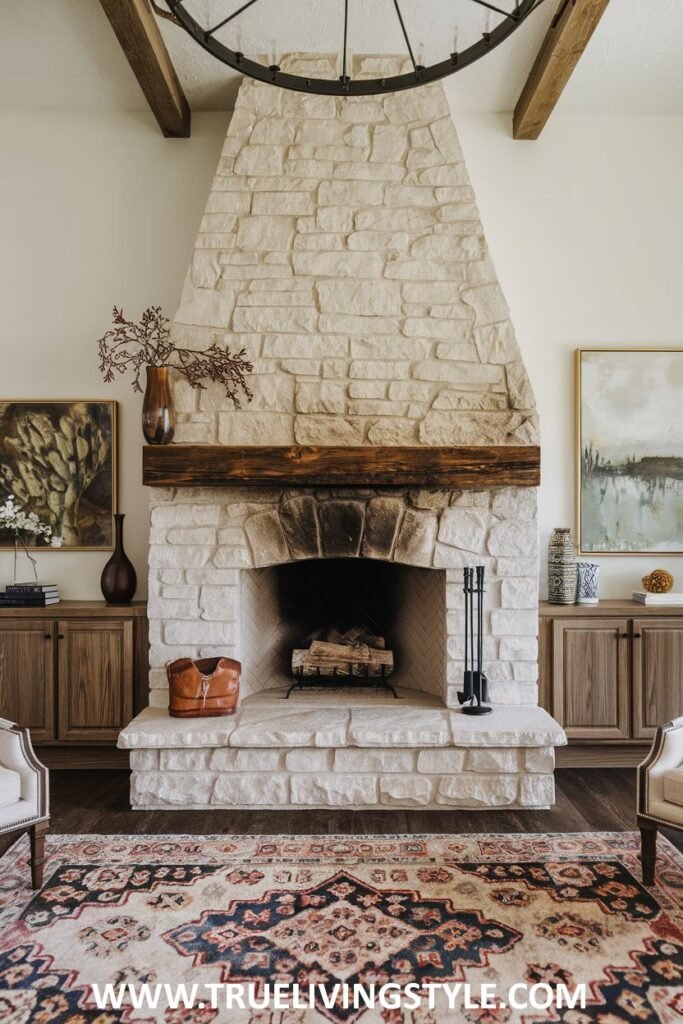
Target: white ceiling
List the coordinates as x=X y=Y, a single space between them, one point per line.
x=62 y=54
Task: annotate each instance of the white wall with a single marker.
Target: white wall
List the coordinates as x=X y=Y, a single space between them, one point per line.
x=95 y=209
x=586 y=230
x=585 y=226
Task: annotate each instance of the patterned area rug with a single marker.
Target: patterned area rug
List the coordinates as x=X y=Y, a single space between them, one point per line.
x=420 y=910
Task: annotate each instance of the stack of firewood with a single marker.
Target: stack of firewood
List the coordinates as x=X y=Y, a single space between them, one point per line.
x=355 y=652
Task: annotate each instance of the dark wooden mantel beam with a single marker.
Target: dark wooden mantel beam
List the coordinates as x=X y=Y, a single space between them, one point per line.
x=138 y=33
x=561 y=50
x=210 y=465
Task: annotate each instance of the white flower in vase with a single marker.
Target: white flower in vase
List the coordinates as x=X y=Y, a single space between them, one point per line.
x=13 y=517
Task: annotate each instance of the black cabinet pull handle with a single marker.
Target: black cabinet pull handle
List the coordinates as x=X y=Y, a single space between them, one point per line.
x=47 y=636
x=60 y=636
x=637 y=636
x=624 y=636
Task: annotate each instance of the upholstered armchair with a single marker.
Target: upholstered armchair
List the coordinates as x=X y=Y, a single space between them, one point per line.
x=660 y=792
x=24 y=796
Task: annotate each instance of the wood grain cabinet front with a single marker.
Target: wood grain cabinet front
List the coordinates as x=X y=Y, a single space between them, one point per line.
x=27 y=680
x=95 y=667
x=611 y=674
x=590 y=678
x=657 y=674
x=75 y=673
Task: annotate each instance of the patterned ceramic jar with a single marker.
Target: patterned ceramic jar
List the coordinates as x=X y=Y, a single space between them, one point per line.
x=562 y=572
x=587 y=587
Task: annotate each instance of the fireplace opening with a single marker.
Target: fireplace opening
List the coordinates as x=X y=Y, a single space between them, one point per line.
x=396 y=611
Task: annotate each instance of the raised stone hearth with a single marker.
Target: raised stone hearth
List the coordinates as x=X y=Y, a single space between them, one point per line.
x=343 y=751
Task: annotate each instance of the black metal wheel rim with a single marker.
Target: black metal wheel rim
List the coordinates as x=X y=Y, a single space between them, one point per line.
x=345 y=85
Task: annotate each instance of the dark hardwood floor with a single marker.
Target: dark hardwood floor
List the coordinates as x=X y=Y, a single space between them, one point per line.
x=588 y=800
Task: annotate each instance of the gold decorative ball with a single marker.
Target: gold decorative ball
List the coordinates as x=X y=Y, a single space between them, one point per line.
x=658 y=582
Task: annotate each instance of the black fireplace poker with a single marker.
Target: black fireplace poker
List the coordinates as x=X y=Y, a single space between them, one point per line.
x=474 y=696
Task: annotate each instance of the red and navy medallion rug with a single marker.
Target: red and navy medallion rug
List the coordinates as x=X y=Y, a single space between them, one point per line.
x=441 y=915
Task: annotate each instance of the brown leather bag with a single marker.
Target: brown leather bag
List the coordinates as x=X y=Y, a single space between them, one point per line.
x=204 y=688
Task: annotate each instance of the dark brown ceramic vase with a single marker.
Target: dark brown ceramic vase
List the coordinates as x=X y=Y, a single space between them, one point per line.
x=118 y=581
x=158 y=412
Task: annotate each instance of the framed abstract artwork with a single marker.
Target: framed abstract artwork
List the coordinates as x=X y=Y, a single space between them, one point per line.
x=630 y=451
x=58 y=459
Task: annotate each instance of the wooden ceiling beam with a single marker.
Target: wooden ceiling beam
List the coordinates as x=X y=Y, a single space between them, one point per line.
x=138 y=33
x=561 y=50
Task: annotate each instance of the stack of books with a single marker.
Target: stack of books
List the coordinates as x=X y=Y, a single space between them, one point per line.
x=29 y=595
x=643 y=597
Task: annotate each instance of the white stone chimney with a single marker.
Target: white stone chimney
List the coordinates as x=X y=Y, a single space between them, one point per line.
x=342 y=249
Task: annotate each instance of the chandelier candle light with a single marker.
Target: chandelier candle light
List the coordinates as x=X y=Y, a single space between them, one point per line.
x=212 y=37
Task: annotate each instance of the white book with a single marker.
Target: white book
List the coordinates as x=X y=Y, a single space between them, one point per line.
x=642 y=597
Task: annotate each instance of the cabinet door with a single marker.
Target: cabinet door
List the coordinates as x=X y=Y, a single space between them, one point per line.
x=657 y=673
x=27 y=675
x=95 y=666
x=591 y=678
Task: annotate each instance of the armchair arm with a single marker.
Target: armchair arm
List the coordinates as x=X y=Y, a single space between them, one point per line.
x=16 y=752
x=666 y=753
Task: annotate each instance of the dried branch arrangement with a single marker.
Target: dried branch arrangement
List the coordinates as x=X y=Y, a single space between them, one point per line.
x=130 y=346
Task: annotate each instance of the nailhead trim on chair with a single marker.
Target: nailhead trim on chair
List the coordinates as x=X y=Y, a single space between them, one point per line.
x=41 y=772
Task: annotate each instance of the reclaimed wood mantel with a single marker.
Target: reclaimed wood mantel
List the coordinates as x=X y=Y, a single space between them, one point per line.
x=467 y=467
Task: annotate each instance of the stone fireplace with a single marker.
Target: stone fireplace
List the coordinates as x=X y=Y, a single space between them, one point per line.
x=341 y=247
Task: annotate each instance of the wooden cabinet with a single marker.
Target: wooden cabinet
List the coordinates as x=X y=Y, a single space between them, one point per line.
x=657 y=673
x=610 y=674
x=590 y=678
x=74 y=673
x=27 y=675
x=100 y=653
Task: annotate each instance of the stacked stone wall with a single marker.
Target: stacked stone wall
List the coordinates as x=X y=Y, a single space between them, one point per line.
x=342 y=248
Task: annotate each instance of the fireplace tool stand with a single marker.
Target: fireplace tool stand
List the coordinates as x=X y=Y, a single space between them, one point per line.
x=474 y=695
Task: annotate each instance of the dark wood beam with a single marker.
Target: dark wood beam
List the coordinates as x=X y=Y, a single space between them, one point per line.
x=138 y=33
x=567 y=38
x=209 y=465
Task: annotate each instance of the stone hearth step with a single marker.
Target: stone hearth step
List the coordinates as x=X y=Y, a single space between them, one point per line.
x=266 y=720
x=363 y=753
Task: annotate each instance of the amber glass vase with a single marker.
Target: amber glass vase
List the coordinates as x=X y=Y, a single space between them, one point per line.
x=158 y=413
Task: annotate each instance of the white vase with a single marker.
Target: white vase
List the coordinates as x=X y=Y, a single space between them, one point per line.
x=587 y=582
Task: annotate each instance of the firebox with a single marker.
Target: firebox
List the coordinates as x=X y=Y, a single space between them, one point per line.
x=284 y=607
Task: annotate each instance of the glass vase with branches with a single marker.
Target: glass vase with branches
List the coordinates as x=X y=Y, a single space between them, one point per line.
x=130 y=347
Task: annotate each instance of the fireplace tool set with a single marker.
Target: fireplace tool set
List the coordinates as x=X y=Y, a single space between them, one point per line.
x=474 y=696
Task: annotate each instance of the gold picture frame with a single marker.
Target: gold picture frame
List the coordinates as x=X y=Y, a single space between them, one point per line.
x=39 y=440
x=627 y=495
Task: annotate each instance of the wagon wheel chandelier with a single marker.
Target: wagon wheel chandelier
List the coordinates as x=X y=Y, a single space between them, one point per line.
x=508 y=16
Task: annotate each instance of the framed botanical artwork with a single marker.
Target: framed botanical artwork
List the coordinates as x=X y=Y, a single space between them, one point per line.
x=630 y=451
x=58 y=459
